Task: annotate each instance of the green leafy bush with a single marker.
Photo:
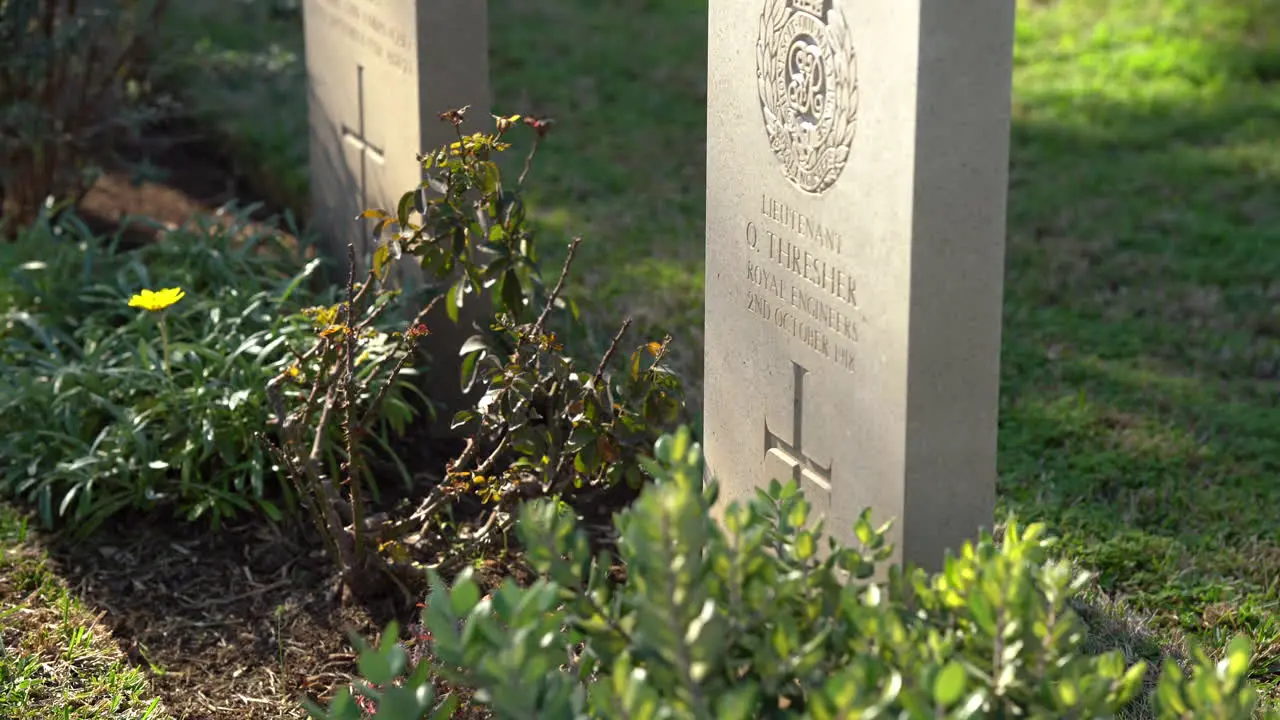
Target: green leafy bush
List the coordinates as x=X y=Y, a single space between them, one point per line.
x=72 y=76
x=99 y=414
x=750 y=620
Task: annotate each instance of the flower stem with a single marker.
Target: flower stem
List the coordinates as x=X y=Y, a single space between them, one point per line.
x=164 y=344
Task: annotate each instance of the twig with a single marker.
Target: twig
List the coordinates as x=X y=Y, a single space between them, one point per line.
x=480 y=534
x=608 y=354
x=242 y=596
x=467 y=455
x=484 y=467
x=555 y=292
x=528 y=161
x=395 y=371
x=348 y=407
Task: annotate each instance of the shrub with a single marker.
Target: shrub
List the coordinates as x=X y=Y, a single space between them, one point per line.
x=339 y=390
x=102 y=412
x=751 y=620
x=71 y=80
x=544 y=426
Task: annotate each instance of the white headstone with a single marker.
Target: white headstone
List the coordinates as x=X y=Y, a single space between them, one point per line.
x=857 y=160
x=380 y=73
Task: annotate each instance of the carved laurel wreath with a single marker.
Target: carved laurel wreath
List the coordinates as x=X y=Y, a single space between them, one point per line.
x=828 y=152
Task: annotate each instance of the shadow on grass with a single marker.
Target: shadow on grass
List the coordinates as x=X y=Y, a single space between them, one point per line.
x=1141 y=381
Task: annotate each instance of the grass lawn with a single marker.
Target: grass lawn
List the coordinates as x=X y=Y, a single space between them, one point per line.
x=56 y=661
x=1141 y=372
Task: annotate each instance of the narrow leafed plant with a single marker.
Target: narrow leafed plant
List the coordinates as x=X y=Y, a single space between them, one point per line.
x=116 y=398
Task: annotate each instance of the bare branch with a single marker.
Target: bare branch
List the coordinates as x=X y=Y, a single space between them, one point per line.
x=608 y=354
x=540 y=325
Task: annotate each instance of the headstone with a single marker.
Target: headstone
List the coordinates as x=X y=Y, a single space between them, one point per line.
x=857 y=161
x=380 y=72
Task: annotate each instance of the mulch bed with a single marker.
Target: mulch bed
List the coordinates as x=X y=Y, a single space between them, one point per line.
x=235 y=624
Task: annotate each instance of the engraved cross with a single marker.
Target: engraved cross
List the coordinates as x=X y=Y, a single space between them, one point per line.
x=814 y=479
x=356 y=138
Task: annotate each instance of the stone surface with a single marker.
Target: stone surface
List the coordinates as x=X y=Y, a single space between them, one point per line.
x=857 y=161
x=380 y=73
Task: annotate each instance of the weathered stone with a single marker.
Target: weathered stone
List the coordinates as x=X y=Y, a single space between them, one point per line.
x=857 y=161
x=380 y=73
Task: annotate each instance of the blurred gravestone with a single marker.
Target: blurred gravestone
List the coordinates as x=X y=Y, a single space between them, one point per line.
x=857 y=160
x=380 y=72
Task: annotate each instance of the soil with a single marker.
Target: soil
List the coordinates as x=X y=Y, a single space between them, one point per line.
x=171 y=174
x=237 y=624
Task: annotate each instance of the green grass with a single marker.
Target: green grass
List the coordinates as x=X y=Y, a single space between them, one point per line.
x=56 y=660
x=1141 y=371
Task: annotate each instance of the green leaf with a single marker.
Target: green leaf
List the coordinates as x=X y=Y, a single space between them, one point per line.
x=1169 y=691
x=797 y=513
x=1239 y=655
x=405 y=206
x=949 y=685
x=453 y=301
x=468 y=371
x=983 y=613
x=465 y=594
x=633 y=367
x=381 y=257
x=405 y=703
x=382 y=665
x=462 y=417
x=512 y=293
x=1131 y=684
x=862 y=528
x=447 y=708
x=1067 y=693
x=474 y=344
x=490 y=181
x=739 y=703
x=806 y=546
x=342 y=707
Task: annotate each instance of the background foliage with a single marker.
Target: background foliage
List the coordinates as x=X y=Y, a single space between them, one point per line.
x=74 y=82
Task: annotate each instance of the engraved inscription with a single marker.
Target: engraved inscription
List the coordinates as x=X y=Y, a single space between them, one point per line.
x=360 y=22
x=823 y=237
x=806 y=73
x=801 y=291
x=804 y=470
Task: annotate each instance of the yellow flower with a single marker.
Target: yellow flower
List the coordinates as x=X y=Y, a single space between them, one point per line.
x=156 y=301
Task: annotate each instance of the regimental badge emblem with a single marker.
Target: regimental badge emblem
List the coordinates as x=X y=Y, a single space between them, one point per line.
x=806 y=69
